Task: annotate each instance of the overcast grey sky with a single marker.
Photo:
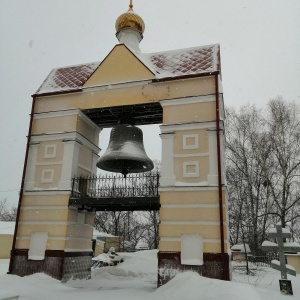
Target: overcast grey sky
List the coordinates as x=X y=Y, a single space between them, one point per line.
x=260 y=46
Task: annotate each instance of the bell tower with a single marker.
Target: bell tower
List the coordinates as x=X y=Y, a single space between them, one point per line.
x=179 y=89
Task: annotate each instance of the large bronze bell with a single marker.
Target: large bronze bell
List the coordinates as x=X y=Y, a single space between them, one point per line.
x=125 y=152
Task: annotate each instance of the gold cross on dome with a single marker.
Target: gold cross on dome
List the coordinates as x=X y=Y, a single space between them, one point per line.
x=130 y=4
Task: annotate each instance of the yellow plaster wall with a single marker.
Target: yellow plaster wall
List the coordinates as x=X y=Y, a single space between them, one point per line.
x=90 y=218
x=5 y=245
x=210 y=214
x=294 y=261
x=51 y=244
x=55 y=230
x=45 y=215
x=41 y=152
x=186 y=113
x=79 y=230
x=87 y=130
x=119 y=66
x=99 y=248
x=176 y=246
x=190 y=197
x=202 y=139
x=56 y=176
x=85 y=157
x=80 y=244
x=110 y=96
x=203 y=169
x=207 y=231
x=54 y=124
x=45 y=200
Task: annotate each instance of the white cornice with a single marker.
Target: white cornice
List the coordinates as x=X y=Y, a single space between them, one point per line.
x=65 y=136
x=189 y=188
x=55 y=114
x=47 y=192
x=178 y=239
x=205 y=205
x=205 y=223
x=188 y=126
x=191 y=155
x=189 y=100
x=64 y=113
x=44 y=207
x=119 y=85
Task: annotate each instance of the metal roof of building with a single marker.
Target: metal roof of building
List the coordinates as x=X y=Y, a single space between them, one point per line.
x=175 y=63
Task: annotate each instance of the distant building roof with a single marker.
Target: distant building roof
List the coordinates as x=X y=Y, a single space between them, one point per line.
x=142 y=246
x=97 y=233
x=240 y=248
x=7 y=227
x=190 y=61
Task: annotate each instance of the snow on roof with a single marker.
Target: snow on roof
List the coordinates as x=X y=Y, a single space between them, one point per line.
x=97 y=233
x=240 y=248
x=268 y=243
x=189 y=61
x=7 y=227
x=67 y=78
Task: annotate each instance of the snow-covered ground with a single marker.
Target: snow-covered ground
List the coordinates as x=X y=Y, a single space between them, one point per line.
x=135 y=279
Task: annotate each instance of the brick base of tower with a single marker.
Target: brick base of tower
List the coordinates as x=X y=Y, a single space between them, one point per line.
x=58 y=264
x=216 y=265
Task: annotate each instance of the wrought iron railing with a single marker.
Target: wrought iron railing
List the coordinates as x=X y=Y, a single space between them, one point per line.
x=116 y=186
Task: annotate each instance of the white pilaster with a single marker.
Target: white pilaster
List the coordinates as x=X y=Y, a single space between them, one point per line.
x=70 y=163
x=212 y=177
x=31 y=163
x=95 y=157
x=167 y=159
x=222 y=140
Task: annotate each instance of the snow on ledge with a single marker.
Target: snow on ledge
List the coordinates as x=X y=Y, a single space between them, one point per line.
x=267 y=243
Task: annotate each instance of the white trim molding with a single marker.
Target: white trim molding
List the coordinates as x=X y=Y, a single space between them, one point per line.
x=47 y=176
x=167 y=159
x=188 y=100
x=190 y=141
x=50 y=151
x=31 y=163
x=190 y=169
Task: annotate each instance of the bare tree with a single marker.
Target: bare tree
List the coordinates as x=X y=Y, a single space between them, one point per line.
x=7 y=213
x=151 y=235
x=263 y=167
x=284 y=135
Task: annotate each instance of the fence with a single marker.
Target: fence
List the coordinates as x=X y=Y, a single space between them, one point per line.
x=116 y=186
x=262 y=261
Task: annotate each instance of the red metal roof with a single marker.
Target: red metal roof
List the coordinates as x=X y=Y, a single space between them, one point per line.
x=191 y=61
x=67 y=78
x=186 y=61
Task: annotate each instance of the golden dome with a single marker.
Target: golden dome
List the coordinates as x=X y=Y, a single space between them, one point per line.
x=130 y=20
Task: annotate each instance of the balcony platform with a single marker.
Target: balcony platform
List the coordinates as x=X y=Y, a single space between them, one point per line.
x=136 y=192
